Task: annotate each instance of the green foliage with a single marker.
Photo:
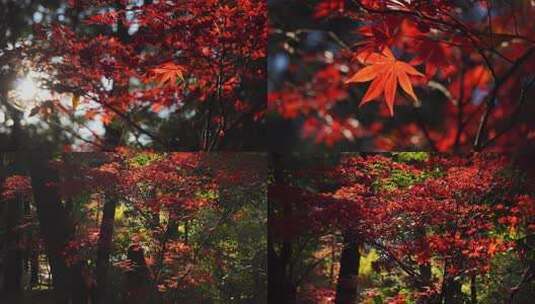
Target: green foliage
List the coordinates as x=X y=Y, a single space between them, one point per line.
x=407 y=157
x=120 y=212
x=366 y=261
x=238 y=241
x=506 y=271
x=207 y=195
x=144 y=159
x=401 y=179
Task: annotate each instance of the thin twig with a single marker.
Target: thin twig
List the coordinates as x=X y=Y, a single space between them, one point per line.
x=514 y=116
x=490 y=101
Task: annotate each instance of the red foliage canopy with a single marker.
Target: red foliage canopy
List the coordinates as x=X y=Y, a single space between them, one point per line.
x=123 y=59
x=456 y=212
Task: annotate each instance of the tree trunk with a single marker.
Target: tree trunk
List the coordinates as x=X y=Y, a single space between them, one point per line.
x=281 y=287
x=16 y=130
x=14 y=260
x=425 y=282
x=186 y=232
x=104 y=247
x=80 y=286
x=55 y=227
x=451 y=288
x=275 y=274
x=14 y=253
x=452 y=292
x=346 y=289
x=139 y=287
x=34 y=267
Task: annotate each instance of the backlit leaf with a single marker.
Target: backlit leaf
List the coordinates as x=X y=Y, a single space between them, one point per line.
x=385 y=71
x=167 y=73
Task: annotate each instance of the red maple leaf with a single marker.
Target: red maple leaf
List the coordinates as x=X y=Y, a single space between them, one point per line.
x=167 y=73
x=386 y=72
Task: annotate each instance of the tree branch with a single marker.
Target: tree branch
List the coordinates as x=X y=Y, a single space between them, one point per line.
x=514 y=116
x=490 y=100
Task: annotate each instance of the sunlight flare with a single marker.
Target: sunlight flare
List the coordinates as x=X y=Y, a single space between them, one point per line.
x=28 y=91
x=27 y=88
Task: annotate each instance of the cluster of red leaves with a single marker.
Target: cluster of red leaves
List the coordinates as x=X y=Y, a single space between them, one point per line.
x=447 y=217
x=316 y=100
x=180 y=52
x=319 y=295
x=88 y=173
x=354 y=204
x=81 y=246
x=179 y=269
x=230 y=170
x=475 y=61
x=453 y=212
x=169 y=182
x=16 y=186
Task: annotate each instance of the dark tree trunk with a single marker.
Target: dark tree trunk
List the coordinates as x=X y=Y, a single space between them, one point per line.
x=16 y=130
x=139 y=287
x=80 y=285
x=14 y=253
x=27 y=238
x=425 y=281
x=56 y=229
x=275 y=275
x=451 y=288
x=14 y=261
x=104 y=247
x=346 y=288
x=425 y=275
x=452 y=292
x=34 y=267
x=281 y=286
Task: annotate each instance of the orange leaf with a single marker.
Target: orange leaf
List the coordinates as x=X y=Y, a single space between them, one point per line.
x=167 y=73
x=385 y=71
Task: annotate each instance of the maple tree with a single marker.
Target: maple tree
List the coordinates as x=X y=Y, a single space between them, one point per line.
x=425 y=224
x=133 y=226
x=465 y=70
x=162 y=74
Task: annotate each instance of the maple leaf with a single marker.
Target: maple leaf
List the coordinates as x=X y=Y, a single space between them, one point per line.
x=167 y=73
x=385 y=71
x=436 y=57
